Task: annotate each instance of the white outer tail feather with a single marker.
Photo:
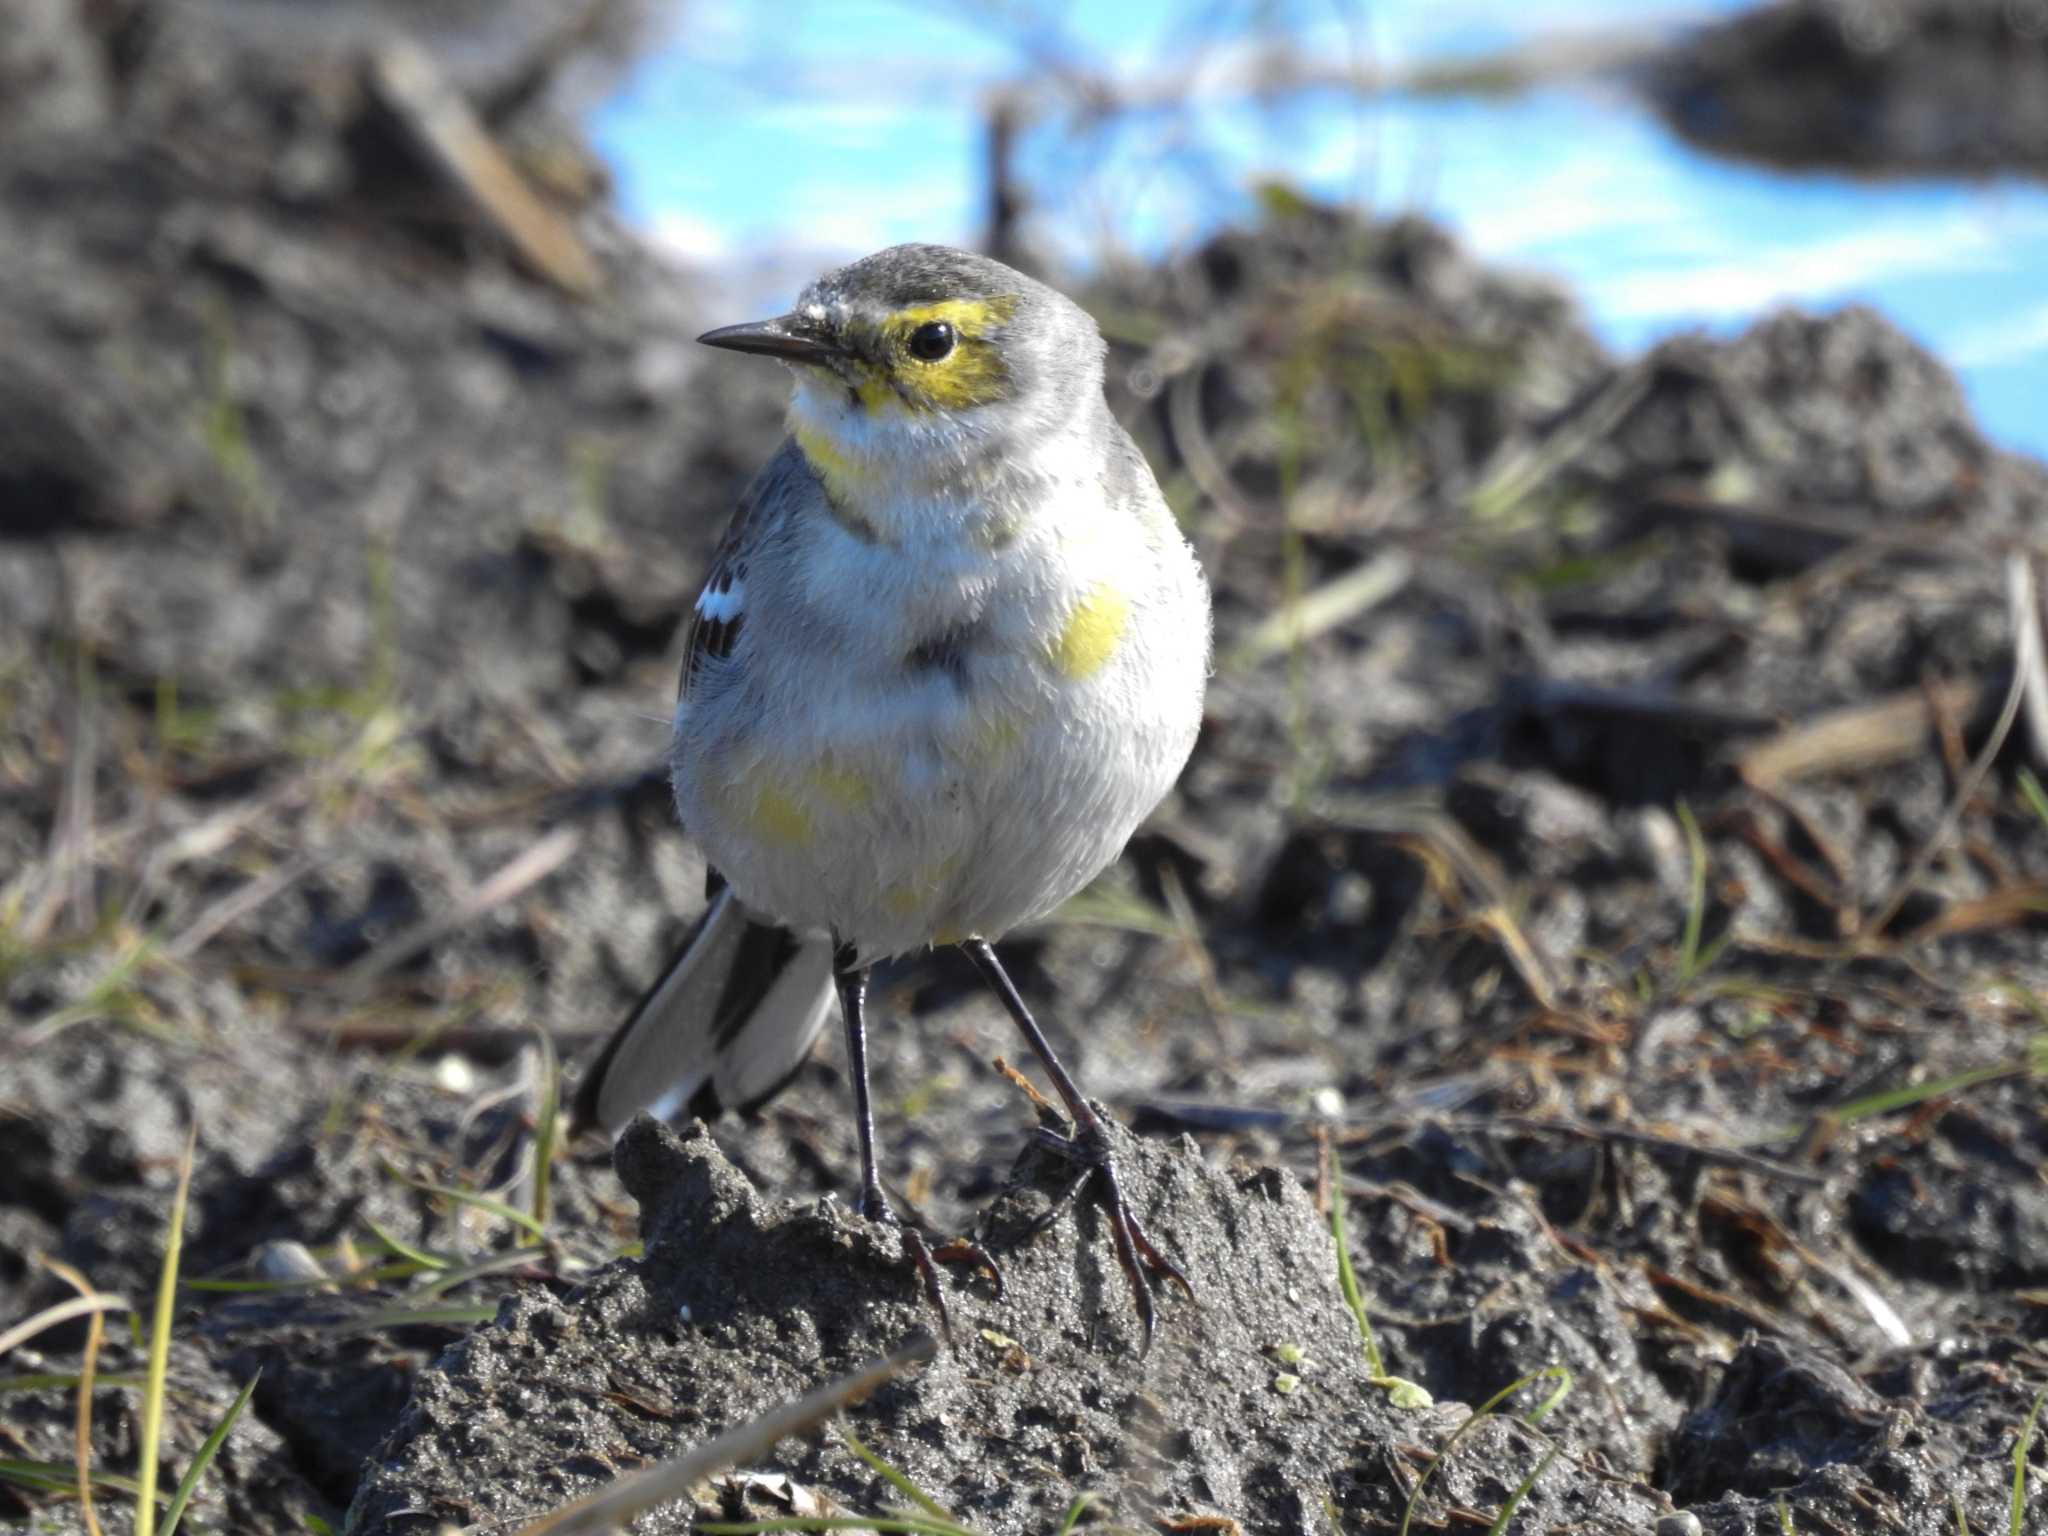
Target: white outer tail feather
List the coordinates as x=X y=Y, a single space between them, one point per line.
x=667 y=1052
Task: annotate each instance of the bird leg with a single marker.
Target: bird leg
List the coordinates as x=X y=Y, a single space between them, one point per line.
x=1088 y=1146
x=852 y=980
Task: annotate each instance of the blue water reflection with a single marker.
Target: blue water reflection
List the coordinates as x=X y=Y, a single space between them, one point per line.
x=832 y=129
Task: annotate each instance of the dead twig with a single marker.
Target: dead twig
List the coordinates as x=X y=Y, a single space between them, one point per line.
x=613 y=1506
x=528 y=868
x=1859 y=737
x=430 y=110
x=1953 y=816
x=2022 y=596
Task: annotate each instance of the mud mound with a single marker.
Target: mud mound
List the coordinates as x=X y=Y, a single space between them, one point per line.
x=1255 y=1400
x=1933 y=86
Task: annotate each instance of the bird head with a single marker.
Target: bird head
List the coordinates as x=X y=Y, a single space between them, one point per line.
x=921 y=349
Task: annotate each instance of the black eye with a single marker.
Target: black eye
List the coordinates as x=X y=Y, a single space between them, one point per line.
x=931 y=341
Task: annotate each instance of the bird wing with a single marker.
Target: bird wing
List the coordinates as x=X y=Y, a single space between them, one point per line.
x=725 y=1025
x=721 y=607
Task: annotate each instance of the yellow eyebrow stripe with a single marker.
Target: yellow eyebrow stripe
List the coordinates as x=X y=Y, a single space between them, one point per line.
x=970 y=317
x=971 y=374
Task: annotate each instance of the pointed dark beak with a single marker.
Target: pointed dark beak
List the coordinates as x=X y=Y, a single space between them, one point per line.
x=793 y=338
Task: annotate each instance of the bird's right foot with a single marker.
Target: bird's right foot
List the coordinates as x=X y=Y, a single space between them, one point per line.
x=925 y=1259
x=1139 y=1257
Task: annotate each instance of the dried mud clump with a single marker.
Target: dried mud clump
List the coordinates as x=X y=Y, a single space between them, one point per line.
x=1255 y=1400
x=1907 y=87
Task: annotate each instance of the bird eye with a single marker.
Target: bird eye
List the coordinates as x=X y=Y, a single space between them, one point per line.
x=931 y=341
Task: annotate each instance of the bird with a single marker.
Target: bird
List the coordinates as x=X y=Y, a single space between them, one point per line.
x=949 y=654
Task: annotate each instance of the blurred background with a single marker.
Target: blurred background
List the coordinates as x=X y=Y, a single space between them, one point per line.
x=1616 y=852
x=1573 y=140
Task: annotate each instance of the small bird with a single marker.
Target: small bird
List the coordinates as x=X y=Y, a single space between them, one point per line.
x=950 y=653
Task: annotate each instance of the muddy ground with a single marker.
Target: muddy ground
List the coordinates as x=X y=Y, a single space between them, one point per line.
x=1610 y=862
x=1882 y=87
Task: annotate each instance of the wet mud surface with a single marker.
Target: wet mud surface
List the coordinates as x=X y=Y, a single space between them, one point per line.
x=1610 y=863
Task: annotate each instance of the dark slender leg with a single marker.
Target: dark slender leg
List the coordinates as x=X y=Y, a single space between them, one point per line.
x=852 y=979
x=1089 y=1146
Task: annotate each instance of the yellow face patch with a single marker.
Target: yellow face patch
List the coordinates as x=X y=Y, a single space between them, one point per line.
x=1091 y=634
x=972 y=373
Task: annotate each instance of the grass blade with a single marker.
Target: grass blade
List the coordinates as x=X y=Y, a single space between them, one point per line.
x=151 y=1438
x=495 y=1207
x=546 y=1125
x=893 y=1526
x=402 y=1248
x=899 y=1481
x=1507 y=1510
x=1533 y=1418
x=61 y=1312
x=451 y=1315
x=2032 y=793
x=57 y=1477
x=203 y=1458
x=2019 y=1460
x=1695 y=894
x=403 y=1269
x=58 y=1381
x=618 y=1502
x=1347 y=1281
x=81 y=1433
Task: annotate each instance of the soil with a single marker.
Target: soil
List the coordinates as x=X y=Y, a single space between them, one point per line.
x=1611 y=882
x=1902 y=87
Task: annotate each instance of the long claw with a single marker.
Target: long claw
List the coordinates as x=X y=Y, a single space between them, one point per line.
x=926 y=1259
x=1137 y=1255
x=960 y=1251
x=1088 y=1145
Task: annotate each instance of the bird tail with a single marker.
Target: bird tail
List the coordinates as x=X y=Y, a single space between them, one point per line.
x=726 y=1025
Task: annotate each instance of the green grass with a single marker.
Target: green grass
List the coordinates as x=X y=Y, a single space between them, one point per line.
x=150 y=1443
x=2034 y=795
x=152 y=1381
x=2020 y=1447
x=203 y=1458
x=1401 y=1392
x=546 y=1133
x=530 y=1229
x=1532 y=1419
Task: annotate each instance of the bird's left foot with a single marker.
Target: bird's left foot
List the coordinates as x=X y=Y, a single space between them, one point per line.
x=922 y=1256
x=1089 y=1151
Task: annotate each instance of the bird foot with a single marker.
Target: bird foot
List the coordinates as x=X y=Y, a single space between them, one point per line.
x=1089 y=1150
x=925 y=1259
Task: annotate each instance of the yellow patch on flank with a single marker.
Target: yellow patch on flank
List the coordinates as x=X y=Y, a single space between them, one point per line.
x=909 y=897
x=995 y=741
x=905 y=900
x=1091 y=633
x=777 y=818
x=842 y=787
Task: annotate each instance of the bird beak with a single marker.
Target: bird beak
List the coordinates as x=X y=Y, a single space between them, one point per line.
x=793 y=338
